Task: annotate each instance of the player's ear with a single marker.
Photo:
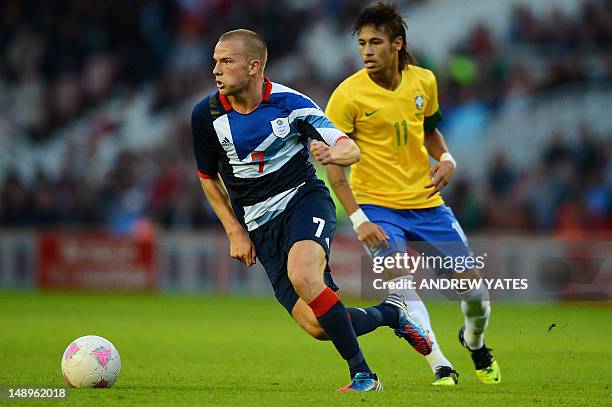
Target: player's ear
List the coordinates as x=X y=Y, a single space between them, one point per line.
x=398 y=43
x=254 y=67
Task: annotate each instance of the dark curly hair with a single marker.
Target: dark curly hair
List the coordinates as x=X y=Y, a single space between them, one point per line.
x=385 y=17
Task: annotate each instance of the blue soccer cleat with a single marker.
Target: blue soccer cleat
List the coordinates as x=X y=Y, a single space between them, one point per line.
x=362 y=381
x=408 y=329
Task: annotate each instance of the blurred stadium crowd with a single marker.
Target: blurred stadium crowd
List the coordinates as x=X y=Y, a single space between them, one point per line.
x=95 y=99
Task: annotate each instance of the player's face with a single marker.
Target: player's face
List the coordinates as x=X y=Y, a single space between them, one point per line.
x=231 y=67
x=377 y=51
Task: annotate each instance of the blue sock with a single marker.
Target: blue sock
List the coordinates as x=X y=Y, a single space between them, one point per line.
x=390 y=315
x=366 y=320
x=334 y=320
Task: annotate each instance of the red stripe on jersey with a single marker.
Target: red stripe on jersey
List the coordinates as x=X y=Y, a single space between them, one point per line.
x=226 y=104
x=342 y=137
x=324 y=301
x=267 y=89
x=204 y=176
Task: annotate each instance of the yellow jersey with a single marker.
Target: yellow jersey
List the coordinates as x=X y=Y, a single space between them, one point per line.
x=388 y=126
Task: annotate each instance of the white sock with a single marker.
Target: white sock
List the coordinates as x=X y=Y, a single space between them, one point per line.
x=418 y=312
x=476 y=309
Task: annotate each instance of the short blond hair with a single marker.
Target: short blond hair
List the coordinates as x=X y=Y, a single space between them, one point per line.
x=254 y=45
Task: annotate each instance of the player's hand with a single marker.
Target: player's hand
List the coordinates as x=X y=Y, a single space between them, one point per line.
x=372 y=235
x=242 y=248
x=440 y=174
x=321 y=152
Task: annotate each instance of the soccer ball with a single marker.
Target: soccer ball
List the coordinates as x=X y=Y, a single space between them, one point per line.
x=91 y=361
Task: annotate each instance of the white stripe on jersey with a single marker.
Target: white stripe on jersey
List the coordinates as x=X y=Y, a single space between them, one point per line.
x=278 y=88
x=286 y=153
x=303 y=112
x=266 y=143
x=223 y=131
x=262 y=212
x=330 y=134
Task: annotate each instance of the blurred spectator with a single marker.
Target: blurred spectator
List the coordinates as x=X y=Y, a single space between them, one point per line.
x=557 y=150
x=585 y=150
x=500 y=176
x=15 y=202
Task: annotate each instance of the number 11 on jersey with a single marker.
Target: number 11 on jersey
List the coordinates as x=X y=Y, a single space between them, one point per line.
x=398 y=138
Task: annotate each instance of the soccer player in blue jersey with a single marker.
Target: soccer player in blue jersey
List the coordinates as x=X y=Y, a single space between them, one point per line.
x=251 y=146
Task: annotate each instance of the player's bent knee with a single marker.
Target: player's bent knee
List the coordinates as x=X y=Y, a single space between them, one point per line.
x=306 y=254
x=305 y=267
x=308 y=287
x=302 y=278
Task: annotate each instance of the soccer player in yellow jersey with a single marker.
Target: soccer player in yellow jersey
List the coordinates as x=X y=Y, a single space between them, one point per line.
x=390 y=108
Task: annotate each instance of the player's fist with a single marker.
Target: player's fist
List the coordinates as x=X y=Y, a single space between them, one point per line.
x=320 y=151
x=242 y=248
x=372 y=235
x=440 y=175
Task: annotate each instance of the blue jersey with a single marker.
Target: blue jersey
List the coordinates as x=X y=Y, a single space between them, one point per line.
x=262 y=156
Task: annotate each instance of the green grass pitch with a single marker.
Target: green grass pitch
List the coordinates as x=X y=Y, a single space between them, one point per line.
x=247 y=351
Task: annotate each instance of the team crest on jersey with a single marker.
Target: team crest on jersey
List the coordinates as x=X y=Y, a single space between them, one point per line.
x=419 y=101
x=280 y=127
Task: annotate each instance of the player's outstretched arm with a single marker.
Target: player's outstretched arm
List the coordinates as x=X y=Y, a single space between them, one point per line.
x=345 y=152
x=241 y=246
x=369 y=233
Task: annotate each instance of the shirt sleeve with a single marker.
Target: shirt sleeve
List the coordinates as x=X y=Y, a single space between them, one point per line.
x=432 y=108
x=312 y=122
x=341 y=111
x=205 y=143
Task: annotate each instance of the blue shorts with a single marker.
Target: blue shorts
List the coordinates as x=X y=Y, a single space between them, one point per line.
x=433 y=231
x=310 y=215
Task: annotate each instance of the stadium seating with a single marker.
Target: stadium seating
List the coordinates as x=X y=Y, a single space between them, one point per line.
x=98 y=135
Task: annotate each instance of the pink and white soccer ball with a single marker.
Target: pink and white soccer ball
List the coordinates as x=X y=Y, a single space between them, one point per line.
x=91 y=361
